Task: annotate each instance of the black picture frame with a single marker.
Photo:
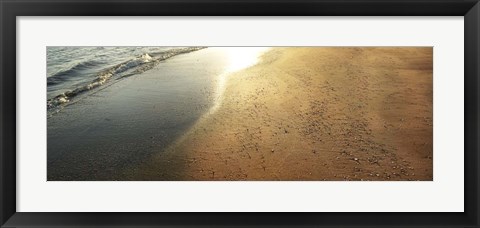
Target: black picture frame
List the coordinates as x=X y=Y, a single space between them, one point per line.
x=9 y=10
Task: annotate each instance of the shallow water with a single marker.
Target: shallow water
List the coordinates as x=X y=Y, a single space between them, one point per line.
x=73 y=72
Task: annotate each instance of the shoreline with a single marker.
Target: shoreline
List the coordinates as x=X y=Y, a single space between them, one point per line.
x=313 y=114
x=119 y=126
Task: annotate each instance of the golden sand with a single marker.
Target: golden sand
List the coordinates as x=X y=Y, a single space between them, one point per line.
x=323 y=113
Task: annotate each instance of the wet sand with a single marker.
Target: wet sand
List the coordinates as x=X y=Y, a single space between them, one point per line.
x=313 y=114
x=120 y=126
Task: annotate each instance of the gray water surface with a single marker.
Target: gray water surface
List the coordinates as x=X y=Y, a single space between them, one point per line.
x=120 y=126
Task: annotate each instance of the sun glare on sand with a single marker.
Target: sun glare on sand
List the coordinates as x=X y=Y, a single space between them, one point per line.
x=242 y=57
x=238 y=58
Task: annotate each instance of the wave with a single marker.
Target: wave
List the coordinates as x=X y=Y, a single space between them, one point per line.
x=76 y=69
x=128 y=68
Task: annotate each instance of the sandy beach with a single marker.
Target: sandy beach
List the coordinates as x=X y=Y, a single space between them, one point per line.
x=323 y=113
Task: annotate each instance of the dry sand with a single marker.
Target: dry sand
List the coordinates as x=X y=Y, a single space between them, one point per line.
x=313 y=114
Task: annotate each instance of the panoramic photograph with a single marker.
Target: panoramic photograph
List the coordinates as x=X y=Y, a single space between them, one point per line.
x=141 y=113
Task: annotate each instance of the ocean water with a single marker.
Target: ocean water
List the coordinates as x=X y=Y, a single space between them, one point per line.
x=74 y=71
